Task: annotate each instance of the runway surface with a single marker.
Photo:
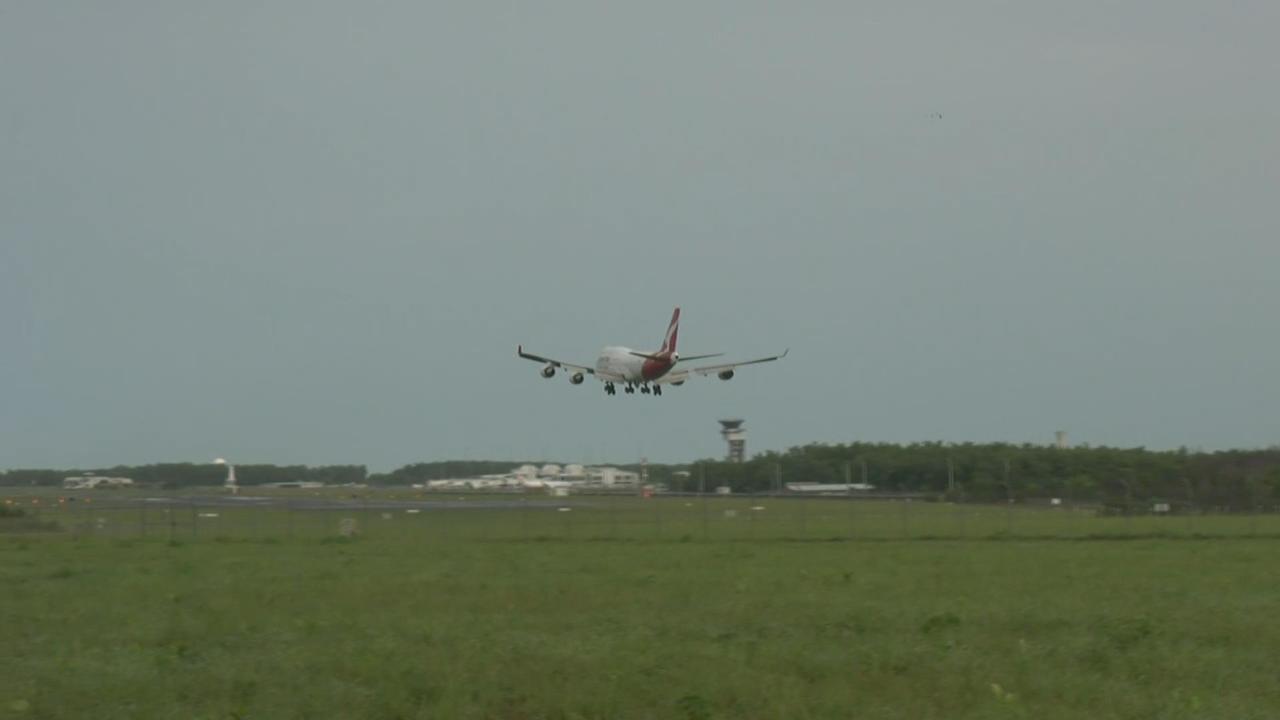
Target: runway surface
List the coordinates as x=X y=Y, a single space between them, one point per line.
x=322 y=503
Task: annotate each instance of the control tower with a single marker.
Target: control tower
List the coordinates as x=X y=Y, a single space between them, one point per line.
x=230 y=484
x=737 y=439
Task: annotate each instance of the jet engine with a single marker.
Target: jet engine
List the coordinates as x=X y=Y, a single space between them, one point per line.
x=725 y=374
x=576 y=378
x=549 y=371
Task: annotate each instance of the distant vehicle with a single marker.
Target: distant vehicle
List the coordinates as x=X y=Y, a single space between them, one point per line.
x=648 y=371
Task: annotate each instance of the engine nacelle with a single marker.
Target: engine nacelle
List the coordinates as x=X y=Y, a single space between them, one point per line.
x=576 y=378
x=725 y=374
x=549 y=371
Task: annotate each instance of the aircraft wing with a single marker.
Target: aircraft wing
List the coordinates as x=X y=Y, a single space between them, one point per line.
x=709 y=369
x=555 y=363
x=672 y=378
x=681 y=374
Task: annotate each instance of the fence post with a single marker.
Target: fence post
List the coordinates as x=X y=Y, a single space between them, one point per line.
x=804 y=516
x=613 y=517
x=1191 y=505
x=657 y=514
x=524 y=515
x=702 y=493
x=848 y=480
x=1008 y=503
x=1128 y=506
x=364 y=498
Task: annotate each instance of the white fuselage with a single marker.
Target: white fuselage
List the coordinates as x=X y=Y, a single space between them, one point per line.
x=618 y=362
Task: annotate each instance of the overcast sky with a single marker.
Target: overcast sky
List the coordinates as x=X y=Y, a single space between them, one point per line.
x=314 y=232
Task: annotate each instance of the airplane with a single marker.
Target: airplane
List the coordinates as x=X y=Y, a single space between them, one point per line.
x=647 y=371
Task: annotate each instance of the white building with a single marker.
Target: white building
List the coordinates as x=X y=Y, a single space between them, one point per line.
x=612 y=477
x=91 y=482
x=828 y=488
x=548 y=476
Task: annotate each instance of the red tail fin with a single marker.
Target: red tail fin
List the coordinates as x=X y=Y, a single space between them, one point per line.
x=669 y=342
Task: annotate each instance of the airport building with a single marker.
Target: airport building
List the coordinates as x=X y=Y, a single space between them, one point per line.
x=549 y=476
x=93 y=482
x=807 y=488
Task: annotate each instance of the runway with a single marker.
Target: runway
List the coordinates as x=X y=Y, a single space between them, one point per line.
x=322 y=503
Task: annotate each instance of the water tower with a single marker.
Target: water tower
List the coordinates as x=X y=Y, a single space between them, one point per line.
x=1060 y=439
x=737 y=439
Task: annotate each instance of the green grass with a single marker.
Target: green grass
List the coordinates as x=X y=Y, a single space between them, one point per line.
x=625 y=611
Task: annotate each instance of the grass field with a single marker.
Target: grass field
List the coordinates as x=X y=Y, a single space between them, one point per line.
x=628 y=609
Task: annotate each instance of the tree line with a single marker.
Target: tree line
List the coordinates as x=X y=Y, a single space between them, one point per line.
x=990 y=472
x=1234 y=479
x=179 y=475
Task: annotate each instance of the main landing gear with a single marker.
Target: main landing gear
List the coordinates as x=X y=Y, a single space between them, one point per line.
x=630 y=389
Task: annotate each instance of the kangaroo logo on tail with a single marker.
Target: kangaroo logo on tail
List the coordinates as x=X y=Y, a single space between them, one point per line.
x=669 y=341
